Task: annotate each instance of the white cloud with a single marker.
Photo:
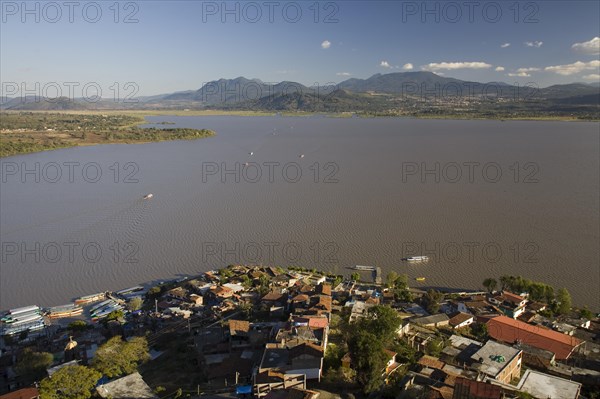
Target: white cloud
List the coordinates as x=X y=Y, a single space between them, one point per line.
x=505 y=45
x=499 y=68
x=326 y=44
x=595 y=77
x=524 y=72
x=435 y=66
x=408 y=66
x=591 y=47
x=536 y=44
x=385 y=64
x=343 y=74
x=520 y=74
x=572 y=69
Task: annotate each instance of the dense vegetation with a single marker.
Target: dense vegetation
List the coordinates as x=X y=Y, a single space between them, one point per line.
x=560 y=300
x=113 y=359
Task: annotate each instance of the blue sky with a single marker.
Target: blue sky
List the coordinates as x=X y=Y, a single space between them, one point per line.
x=179 y=45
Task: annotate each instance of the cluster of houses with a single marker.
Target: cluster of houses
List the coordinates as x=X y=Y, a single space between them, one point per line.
x=263 y=332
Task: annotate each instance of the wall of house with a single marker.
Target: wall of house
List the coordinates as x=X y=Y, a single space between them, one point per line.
x=311 y=374
x=512 y=370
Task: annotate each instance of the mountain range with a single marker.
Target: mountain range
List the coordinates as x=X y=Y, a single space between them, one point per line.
x=376 y=94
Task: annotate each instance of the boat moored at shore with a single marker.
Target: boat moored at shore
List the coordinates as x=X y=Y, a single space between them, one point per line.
x=90 y=298
x=68 y=310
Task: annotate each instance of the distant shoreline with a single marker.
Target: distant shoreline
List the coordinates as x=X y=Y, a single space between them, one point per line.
x=22 y=141
x=217 y=112
x=27 y=132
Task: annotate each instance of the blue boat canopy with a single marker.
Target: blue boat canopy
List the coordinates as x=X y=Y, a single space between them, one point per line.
x=243 y=389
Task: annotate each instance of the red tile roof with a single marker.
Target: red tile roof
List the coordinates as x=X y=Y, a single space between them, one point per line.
x=300 y=298
x=25 y=393
x=221 y=291
x=239 y=327
x=459 y=318
x=325 y=289
x=431 y=362
x=505 y=329
x=468 y=389
x=318 y=322
x=512 y=297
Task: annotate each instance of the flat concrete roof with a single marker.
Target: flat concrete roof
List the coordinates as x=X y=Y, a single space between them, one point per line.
x=495 y=357
x=275 y=357
x=131 y=386
x=543 y=385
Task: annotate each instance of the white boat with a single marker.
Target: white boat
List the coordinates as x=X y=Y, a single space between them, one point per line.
x=25 y=319
x=416 y=258
x=25 y=309
x=302 y=156
x=148 y=196
x=251 y=153
x=101 y=305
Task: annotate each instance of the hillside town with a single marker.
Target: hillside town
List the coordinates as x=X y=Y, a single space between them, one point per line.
x=267 y=332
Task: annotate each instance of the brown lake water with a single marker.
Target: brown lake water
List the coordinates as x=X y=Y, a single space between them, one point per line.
x=480 y=198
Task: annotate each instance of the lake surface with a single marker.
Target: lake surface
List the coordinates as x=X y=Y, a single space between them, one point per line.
x=480 y=198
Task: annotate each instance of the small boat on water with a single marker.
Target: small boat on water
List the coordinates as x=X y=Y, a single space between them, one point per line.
x=251 y=153
x=301 y=155
x=420 y=279
x=148 y=196
x=416 y=259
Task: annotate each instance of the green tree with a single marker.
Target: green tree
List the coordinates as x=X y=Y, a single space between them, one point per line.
x=435 y=347
x=401 y=290
x=506 y=282
x=78 y=325
x=355 y=276
x=70 y=382
x=225 y=275
x=490 y=284
x=337 y=280
x=117 y=357
x=246 y=309
x=586 y=313
x=382 y=321
x=264 y=284
x=406 y=354
x=114 y=315
x=367 y=338
x=154 y=291
x=563 y=301
x=32 y=364
x=480 y=331
x=369 y=359
x=135 y=303
x=401 y=282
x=391 y=278
x=431 y=300
x=246 y=281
